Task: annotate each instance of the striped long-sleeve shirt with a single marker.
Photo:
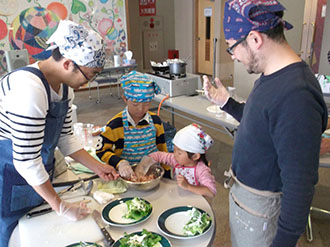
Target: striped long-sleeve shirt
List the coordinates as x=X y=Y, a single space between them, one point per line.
x=23 y=110
x=112 y=144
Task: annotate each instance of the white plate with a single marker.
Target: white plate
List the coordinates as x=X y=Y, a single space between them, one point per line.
x=113 y=213
x=214 y=109
x=172 y=221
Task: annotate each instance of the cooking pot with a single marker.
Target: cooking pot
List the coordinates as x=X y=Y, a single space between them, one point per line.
x=177 y=68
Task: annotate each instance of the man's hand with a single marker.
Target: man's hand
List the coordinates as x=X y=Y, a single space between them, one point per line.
x=106 y=172
x=73 y=211
x=218 y=96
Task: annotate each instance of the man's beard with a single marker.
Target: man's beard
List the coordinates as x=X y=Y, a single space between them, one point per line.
x=253 y=64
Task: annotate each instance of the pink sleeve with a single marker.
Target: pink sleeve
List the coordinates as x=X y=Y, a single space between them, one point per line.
x=163 y=157
x=205 y=177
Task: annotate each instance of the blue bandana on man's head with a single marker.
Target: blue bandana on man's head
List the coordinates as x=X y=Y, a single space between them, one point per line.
x=243 y=16
x=139 y=87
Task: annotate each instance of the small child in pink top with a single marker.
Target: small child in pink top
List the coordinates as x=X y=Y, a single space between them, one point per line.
x=189 y=162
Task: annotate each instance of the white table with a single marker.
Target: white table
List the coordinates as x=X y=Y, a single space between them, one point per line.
x=163 y=197
x=169 y=195
x=196 y=107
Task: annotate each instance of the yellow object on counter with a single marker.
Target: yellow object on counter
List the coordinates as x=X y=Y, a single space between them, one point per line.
x=112 y=187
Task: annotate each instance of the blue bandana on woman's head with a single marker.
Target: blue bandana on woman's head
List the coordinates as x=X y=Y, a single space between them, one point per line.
x=243 y=16
x=138 y=87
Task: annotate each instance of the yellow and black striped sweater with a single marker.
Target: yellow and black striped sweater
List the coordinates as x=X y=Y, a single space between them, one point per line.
x=113 y=138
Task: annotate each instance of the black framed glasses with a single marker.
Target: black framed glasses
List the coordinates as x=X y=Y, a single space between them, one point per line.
x=230 y=50
x=82 y=72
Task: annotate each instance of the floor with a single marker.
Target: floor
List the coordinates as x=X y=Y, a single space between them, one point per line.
x=220 y=156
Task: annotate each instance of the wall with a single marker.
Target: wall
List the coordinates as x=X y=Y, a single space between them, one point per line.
x=185 y=31
x=294 y=14
x=165 y=9
x=185 y=35
x=21 y=27
x=324 y=67
x=243 y=82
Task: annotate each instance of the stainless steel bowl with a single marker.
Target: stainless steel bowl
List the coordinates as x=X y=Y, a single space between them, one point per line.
x=158 y=172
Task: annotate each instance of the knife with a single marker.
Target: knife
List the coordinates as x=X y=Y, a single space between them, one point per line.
x=46 y=210
x=97 y=217
x=67 y=183
x=38 y=212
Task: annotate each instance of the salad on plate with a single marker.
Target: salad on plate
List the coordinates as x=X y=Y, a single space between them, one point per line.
x=137 y=208
x=142 y=239
x=197 y=223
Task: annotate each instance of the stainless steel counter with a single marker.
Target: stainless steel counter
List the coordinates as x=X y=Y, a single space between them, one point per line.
x=196 y=107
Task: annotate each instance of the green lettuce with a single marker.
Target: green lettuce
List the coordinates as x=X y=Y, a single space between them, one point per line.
x=197 y=223
x=112 y=187
x=137 y=208
x=145 y=239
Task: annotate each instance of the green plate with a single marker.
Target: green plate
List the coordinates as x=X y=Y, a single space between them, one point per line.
x=83 y=244
x=164 y=241
x=113 y=213
x=172 y=221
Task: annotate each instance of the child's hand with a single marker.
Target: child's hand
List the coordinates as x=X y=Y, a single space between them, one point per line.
x=182 y=182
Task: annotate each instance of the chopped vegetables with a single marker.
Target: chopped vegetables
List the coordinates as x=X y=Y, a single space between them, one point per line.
x=137 y=208
x=143 y=239
x=197 y=223
x=112 y=187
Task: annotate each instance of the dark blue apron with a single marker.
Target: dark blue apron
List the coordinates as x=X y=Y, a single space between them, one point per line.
x=17 y=197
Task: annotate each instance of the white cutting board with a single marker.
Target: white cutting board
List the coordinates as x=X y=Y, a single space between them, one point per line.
x=56 y=231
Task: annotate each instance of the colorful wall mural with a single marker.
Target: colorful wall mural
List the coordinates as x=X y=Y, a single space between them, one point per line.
x=27 y=24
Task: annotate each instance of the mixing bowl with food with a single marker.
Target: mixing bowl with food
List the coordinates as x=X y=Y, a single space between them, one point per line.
x=147 y=182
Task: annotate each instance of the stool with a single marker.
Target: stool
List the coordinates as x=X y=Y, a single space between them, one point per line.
x=309 y=230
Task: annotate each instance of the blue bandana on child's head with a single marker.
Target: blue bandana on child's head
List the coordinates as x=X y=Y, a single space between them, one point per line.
x=243 y=16
x=139 y=87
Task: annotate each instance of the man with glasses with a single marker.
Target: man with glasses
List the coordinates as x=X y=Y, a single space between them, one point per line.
x=276 y=150
x=36 y=116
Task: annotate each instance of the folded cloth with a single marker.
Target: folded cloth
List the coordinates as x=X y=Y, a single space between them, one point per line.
x=240 y=17
x=139 y=87
x=82 y=45
x=78 y=168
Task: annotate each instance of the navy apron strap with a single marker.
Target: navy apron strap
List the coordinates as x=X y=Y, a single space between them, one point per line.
x=65 y=92
x=38 y=73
